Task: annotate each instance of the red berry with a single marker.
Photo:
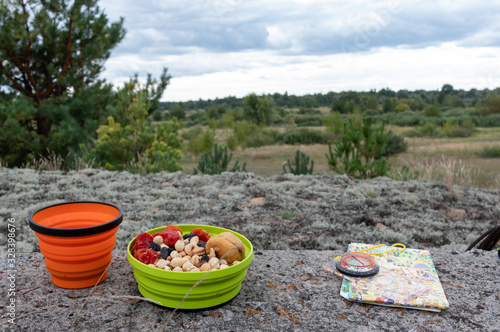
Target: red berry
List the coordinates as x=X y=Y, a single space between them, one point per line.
x=202 y=235
x=143 y=240
x=171 y=237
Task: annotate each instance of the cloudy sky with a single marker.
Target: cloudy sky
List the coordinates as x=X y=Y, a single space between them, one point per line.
x=219 y=48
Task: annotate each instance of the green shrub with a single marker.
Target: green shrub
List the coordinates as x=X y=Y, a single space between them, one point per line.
x=136 y=146
x=356 y=152
x=217 y=162
x=458 y=131
x=401 y=107
x=432 y=110
x=299 y=166
x=300 y=136
x=490 y=152
x=260 y=137
x=306 y=120
x=334 y=123
x=202 y=142
x=427 y=130
x=395 y=144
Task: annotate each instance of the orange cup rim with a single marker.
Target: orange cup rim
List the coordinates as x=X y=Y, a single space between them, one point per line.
x=72 y=232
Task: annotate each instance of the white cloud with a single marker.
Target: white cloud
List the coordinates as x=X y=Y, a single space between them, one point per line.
x=221 y=47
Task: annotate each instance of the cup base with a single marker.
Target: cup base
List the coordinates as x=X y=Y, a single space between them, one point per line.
x=77 y=284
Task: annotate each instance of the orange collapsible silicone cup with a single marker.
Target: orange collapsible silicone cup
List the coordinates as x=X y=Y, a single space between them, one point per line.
x=77 y=239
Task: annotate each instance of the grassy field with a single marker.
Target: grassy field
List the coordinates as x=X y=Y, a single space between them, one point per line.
x=454 y=161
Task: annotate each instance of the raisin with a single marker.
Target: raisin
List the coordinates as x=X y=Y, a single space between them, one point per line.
x=204 y=258
x=202 y=244
x=165 y=252
x=155 y=246
x=188 y=236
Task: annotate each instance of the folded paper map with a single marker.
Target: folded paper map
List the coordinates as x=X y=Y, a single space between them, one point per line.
x=408 y=279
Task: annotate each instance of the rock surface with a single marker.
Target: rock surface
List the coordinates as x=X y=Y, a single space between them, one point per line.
x=316 y=216
x=283 y=291
x=281 y=212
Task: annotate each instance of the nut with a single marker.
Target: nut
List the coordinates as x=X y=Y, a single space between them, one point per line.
x=188 y=249
x=167 y=268
x=179 y=245
x=195 y=260
x=177 y=269
x=199 y=250
x=211 y=253
x=158 y=239
x=223 y=266
x=175 y=254
x=205 y=267
x=195 y=269
x=227 y=246
x=194 y=240
x=161 y=263
x=187 y=266
x=214 y=263
x=178 y=262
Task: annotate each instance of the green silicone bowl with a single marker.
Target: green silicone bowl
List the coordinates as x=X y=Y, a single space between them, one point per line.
x=168 y=288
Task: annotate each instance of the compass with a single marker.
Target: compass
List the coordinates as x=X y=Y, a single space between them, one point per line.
x=357 y=264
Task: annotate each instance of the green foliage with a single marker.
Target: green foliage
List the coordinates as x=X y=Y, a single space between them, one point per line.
x=178 y=112
x=432 y=110
x=299 y=166
x=347 y=102
x=388 y=105
x=202 y=142
x=395 y=144
x=217 y=162
x=300 y=136
x=19 y=142
x=257 y=109
x=137 y=145
x=59 y=45
x=401 y=107
x=491 y=105
x=355 y=153
x=52 y=53
x=427 y=130
x=334 y=123
x=490 y=152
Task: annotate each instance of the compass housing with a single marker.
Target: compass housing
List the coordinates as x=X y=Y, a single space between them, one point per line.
x=357 y=264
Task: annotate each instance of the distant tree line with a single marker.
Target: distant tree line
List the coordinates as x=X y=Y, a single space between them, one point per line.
x=348 y=101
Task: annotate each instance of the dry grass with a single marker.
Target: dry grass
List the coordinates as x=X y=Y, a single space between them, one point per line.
x=452 y=161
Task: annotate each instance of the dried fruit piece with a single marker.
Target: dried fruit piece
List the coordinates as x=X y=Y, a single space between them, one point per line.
x=147 y=256
x=171 y=237
x=173 y=228
x=143 y=240
x=202 y=234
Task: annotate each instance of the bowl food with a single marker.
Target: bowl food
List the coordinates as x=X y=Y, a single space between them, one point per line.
x=168 y=288
x=77 y=239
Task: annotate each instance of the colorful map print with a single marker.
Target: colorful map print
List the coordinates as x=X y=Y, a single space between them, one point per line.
x=408 y=279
